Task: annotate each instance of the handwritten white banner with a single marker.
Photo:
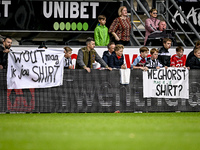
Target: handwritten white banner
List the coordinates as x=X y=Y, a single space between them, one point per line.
x=35 y=68
x=166 y=83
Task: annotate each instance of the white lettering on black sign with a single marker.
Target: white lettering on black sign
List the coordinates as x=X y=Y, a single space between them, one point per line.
x=70 y=9
x=5 y=4
x=194 y=14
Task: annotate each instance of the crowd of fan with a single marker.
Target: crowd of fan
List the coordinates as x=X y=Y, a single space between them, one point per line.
x=113 y=57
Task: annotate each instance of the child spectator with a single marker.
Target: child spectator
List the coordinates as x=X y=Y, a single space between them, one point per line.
x=194 y=62
x=116 y=60
x=106 y=54
x=101 y=35
x=140 y=61
x=191 y=54
x=68 y=60
x=163 y=54
x=153 y=62
x=178 y=60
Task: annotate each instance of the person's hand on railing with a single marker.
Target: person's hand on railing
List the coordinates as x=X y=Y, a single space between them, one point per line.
x=87 y=69
x=123 y=66
x=109 y=68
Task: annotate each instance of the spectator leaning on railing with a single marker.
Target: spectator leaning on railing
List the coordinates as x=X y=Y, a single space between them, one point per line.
x=191 y=54
x=106 y=54
x=152 y=62
x=87 y=56
x=194 y=62
x=4 y=50
x=116 y=60
x=140 y=61
x=178 y=60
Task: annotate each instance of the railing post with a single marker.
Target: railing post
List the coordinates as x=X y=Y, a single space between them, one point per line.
x=131 y=2
x=143 y=8
x=167 y=5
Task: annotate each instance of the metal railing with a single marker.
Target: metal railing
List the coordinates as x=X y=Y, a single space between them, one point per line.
x=165 y=16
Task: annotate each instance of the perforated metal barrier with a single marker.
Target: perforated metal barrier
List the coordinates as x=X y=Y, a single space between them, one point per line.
x=98 y=91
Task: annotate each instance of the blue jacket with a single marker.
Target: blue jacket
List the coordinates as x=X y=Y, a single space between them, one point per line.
x=137 y=62
x=106 y=56
x=114 y=62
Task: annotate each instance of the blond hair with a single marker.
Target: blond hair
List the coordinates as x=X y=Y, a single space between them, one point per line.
x=196 y=50
x=118 y=47
x=120 y=10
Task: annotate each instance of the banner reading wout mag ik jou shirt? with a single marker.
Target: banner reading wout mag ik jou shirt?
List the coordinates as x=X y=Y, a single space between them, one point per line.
x=35 y=68
x=166 y=83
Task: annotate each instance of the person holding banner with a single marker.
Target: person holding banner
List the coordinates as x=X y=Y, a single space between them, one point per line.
x=153 y=62
x=140 y=61
x=116 y=60
x=4 y=50
x=178 y=60
x=87 y=56
x=68 y=60
x=163 y=54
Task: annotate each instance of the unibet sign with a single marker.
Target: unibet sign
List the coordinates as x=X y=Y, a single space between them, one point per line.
x=69 y=9
x=53 y=15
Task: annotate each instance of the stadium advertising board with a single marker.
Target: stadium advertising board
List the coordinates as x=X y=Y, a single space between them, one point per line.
x=21 y=100
x=166 y=83
x=55 y=15
x=97 y=91
x=191 y=11
x=37 y=68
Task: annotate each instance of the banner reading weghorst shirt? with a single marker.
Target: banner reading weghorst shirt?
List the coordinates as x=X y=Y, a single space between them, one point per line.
x=35 y=68
x=166 y=83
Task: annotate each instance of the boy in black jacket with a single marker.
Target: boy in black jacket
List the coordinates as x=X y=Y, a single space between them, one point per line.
x=163 y=54
x=194 y=62
x=191 y=54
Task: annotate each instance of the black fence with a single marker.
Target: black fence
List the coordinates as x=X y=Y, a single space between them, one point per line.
x=98 y=91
